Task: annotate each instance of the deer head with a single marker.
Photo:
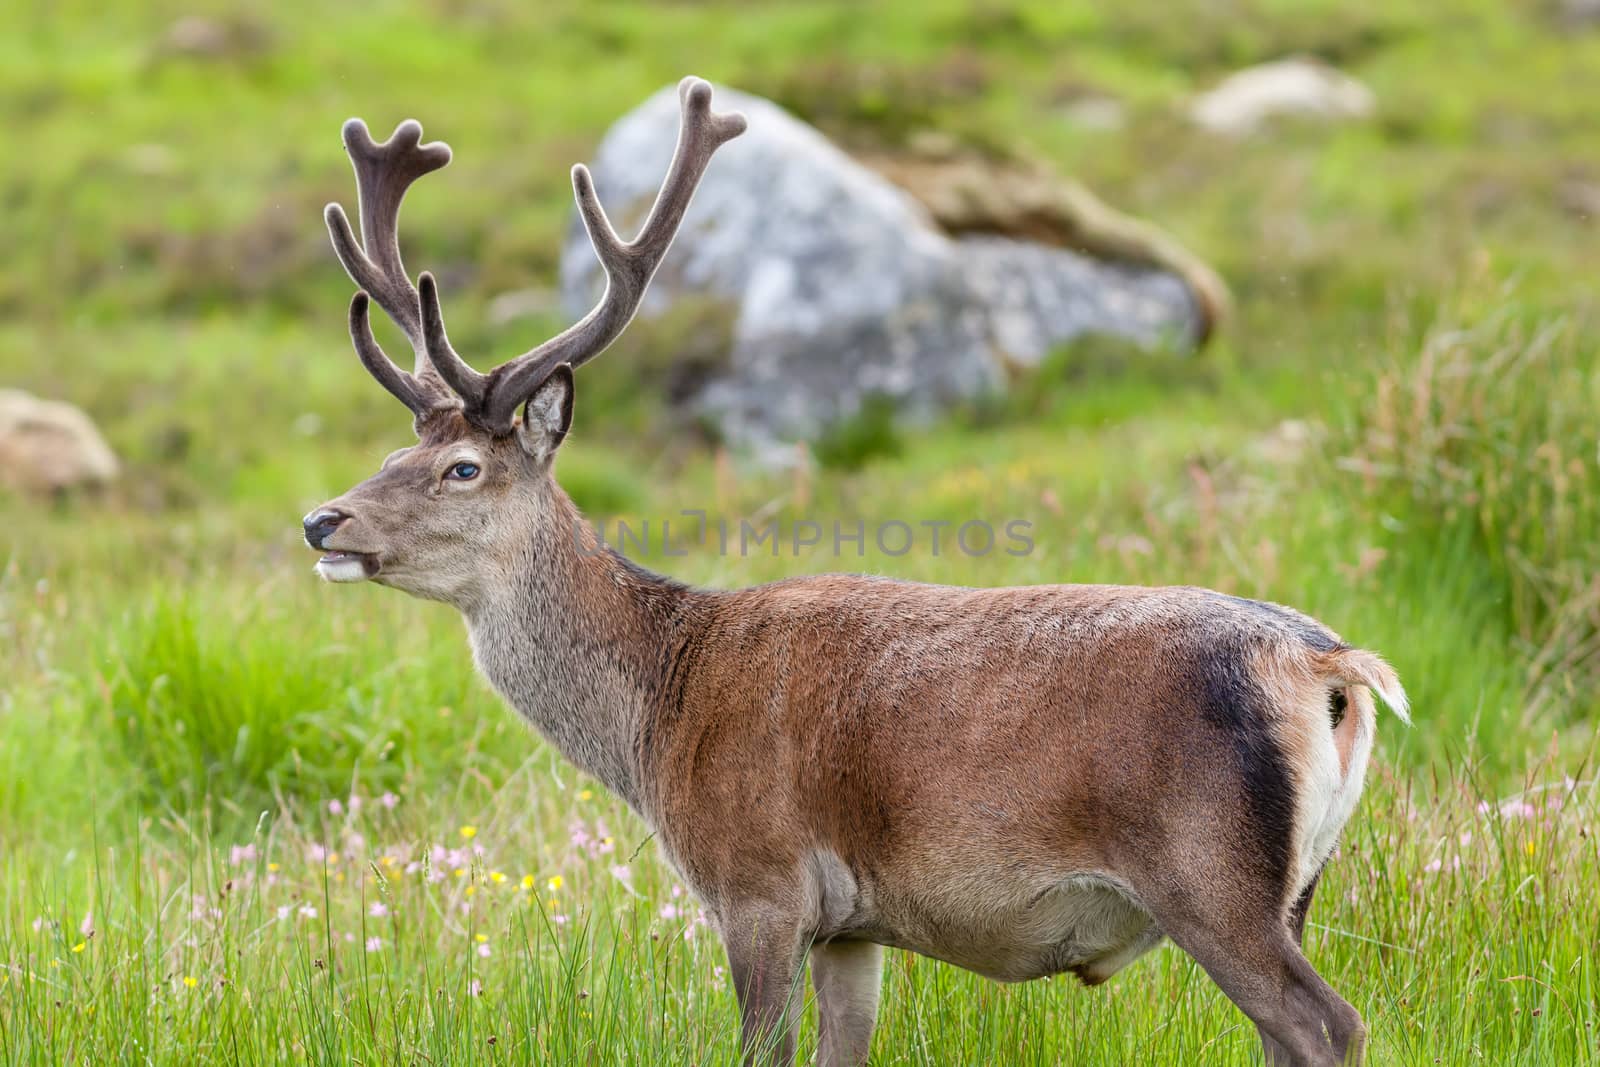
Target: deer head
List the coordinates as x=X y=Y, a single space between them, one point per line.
x=439 y=517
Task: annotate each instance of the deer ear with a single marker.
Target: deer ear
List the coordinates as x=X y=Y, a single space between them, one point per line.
x=547 y=415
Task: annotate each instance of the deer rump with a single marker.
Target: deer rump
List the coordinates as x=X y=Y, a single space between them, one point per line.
x=1002 y=778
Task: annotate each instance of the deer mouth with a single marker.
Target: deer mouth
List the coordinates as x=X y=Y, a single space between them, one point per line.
x=340 y=565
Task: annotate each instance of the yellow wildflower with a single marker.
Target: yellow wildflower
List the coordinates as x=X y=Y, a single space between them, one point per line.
x=469 y=832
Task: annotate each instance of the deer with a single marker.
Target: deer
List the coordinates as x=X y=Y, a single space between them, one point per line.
x=1022 y=782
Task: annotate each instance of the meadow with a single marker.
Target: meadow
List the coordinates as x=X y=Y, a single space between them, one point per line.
x=249 y=817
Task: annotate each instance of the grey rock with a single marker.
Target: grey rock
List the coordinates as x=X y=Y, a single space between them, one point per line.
x=1039 y=298
x=839 y=284
x=1580 y=14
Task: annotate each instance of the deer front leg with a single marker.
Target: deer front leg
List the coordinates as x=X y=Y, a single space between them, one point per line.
x=765 y=947
x=847 y=976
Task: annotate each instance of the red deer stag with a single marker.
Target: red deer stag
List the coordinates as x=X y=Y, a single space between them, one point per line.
x=1022 y=782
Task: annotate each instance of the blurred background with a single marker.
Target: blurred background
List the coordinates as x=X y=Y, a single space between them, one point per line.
x=1291 y=299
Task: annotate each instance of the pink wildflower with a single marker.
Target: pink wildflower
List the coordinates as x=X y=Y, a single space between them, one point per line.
x=374 y=944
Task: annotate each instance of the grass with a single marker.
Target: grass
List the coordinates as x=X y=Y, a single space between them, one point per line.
x=1394 y=433
x=1459 y=925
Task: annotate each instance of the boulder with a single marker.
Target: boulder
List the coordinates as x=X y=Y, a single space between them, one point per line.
x=977 y=199
x=50 y=447
x=843 y=287
x=1298 y=87
x=1580 y=14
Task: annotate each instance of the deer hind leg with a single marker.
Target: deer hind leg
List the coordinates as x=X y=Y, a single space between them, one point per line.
x=847 y=976
x=1254 y=956
x=1276 y=1054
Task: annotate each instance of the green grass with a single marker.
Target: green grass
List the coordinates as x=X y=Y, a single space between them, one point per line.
x=1394 y=433
x=1463 y=931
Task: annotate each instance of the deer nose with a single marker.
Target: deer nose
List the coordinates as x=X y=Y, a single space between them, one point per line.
x=320 y=523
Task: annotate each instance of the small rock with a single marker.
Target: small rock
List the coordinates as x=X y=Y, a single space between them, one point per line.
x=203 y=37
x=1095 y=113
x=48 y=447
x=1298 y=87
x=1580 y=199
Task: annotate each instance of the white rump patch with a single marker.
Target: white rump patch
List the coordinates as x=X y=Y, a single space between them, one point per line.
x=1328 y=795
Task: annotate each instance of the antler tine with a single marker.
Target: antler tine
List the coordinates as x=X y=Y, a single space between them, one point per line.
x=468 y=384
x=629 y=266
x=378 y=363
x=383 y=174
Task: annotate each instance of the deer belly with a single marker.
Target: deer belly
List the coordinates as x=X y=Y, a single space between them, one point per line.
x=1082 y=924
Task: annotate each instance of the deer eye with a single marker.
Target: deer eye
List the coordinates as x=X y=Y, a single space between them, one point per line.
x=463 y=472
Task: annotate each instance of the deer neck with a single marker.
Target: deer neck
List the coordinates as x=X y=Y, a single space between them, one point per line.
x=580 y=642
